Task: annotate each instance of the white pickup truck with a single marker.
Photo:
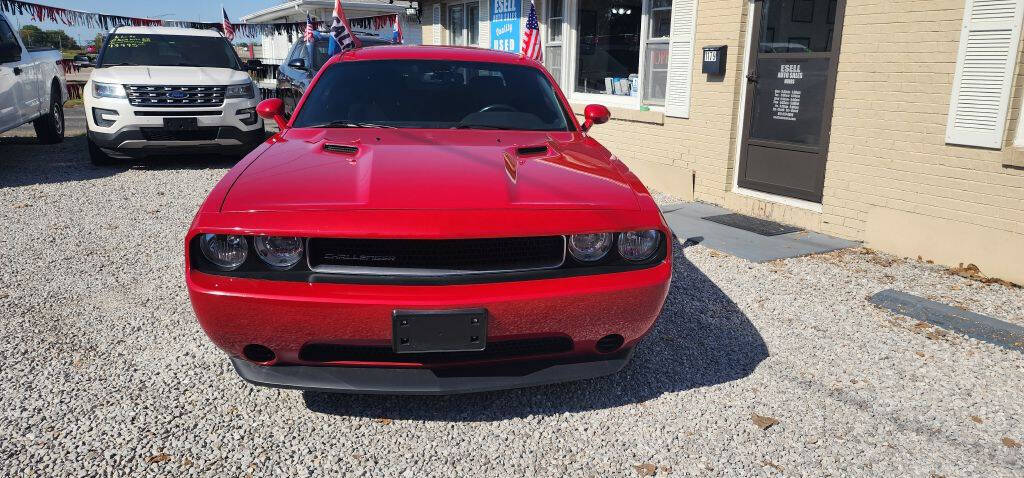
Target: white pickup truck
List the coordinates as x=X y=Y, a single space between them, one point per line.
x=32 y=87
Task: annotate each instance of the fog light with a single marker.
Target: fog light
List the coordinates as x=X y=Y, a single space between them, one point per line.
x=104 y=118
x=248 y=116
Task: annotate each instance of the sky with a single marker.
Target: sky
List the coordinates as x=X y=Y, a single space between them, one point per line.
x=193 y=10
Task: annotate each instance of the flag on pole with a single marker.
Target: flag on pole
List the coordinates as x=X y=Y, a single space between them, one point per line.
x=396 y=35
x=308 y=35
x=341 y=31
x=531 y=36
x=229 y=31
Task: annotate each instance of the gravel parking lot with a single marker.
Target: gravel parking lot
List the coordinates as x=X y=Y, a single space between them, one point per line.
x=106 y=372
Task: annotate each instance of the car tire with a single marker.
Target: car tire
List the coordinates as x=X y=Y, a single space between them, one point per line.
x=98 y=157
x=50 y=127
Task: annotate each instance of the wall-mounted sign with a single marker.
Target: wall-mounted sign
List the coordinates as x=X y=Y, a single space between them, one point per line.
x=789 y=100
x=505 y=25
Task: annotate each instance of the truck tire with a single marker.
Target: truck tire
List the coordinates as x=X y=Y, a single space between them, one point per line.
x=97 y=157
x=50 y=127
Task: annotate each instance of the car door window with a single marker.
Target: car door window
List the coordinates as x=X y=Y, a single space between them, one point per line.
x=8 y=42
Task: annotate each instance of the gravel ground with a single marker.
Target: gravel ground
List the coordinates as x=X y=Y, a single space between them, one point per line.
x=106 y=372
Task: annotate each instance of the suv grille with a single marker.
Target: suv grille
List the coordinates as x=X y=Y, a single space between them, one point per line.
x=435 y=257
x=495 y=350
x=147 y=95
x=160 y=134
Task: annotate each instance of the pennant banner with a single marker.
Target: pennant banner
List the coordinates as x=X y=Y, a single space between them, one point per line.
x=78 y=18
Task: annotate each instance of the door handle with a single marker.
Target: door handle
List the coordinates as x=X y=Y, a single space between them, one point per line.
x=17 y=71
x=753 y=78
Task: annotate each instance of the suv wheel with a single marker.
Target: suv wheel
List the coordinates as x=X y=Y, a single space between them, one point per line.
x=98 y=157
x=50 y=127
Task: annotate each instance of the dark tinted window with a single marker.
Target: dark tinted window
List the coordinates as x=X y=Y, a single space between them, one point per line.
x=434 y=94
x=168 y=50
x=797 y=26
x=6 y=34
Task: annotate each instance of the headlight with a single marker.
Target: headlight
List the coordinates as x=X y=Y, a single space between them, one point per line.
x=240 y=91
x=108 y=90
x=279 y=252
x=225 y=252
x=638 y=246
x=590 y=247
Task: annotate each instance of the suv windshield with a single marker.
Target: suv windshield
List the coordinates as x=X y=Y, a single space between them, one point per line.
x=433 y=94
x=168 y=50
x=321 y=50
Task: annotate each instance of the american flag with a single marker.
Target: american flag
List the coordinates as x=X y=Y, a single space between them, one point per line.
x=531 y=36
x=341 y=31
x=396 y=35
x=229 y=31
x=308 y=36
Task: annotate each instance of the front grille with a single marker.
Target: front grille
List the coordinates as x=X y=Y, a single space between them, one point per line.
x=147 y=95
x=435 y=257
x=495 y=350
x=161 y=134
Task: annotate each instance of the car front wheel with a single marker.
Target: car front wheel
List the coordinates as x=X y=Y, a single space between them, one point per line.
x=50 y=127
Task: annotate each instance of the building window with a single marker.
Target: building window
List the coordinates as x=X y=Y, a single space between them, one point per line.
x=659 y=28
x=553 y=45
x=608 y=55
x=464 y=24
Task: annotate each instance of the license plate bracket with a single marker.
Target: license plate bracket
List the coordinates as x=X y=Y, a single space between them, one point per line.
x=181 y=124
x=426 y=331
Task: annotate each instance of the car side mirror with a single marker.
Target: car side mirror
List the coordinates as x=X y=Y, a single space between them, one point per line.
x=273 y=109
x=9 y=52
x=595 y=114
x=298 y=64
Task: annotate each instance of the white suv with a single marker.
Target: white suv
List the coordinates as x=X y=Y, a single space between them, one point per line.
x=158 y=90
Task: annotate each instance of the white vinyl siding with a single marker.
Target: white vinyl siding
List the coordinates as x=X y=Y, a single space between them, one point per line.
x=984 y=73
x=680 y=58
x=436 y=22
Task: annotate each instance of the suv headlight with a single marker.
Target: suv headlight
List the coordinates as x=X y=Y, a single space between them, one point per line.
x=108 y=90
x=245 y=90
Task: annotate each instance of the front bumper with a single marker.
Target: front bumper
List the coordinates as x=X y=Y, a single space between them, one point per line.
x=130 y=142
x=422 y=381
x=291 y=317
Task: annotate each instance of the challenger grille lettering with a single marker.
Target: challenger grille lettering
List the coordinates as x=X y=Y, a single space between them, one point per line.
x=358 y=257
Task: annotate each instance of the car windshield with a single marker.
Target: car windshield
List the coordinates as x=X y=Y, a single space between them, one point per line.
x=433 y=94
x=321 y=50
x=168 y=50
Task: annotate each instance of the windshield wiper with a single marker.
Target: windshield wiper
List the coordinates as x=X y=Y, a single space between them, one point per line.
x=350 y=124
x=120 y=64
x=479 y=126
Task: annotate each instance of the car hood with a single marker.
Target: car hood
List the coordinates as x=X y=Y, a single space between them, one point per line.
x=430 y=169
x=169 y=75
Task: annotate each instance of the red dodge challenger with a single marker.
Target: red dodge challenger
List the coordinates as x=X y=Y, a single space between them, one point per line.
x=429 y=220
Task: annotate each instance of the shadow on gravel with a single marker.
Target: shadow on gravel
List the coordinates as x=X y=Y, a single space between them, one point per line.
x=701 y=339
x=24 y=162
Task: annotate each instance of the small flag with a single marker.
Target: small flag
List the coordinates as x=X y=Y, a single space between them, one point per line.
x=308 y=36
x=229 y=31
x=341 y=31
x=396 y=35
x=531 y=36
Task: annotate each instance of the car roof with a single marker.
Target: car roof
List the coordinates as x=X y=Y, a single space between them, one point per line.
x=431 y=52
x=192 y=32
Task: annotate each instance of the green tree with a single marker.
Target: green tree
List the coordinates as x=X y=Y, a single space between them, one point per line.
x=35 y=37
x=98 y=41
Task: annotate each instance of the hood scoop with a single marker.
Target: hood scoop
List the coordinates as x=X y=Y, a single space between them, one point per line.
x=341 y=149
x=524 y=151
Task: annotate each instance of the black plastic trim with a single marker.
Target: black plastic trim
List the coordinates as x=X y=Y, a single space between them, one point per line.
x=253 y=268
x=427 y=381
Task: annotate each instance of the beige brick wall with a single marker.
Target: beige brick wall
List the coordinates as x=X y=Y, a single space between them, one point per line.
x=888 y=133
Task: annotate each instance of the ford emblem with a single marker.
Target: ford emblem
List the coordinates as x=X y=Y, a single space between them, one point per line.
x=178 y=95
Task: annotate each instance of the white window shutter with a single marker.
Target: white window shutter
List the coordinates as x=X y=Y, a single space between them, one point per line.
x=680 y=58
x=984 y=73
x=484 y=25
x=436 y=21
